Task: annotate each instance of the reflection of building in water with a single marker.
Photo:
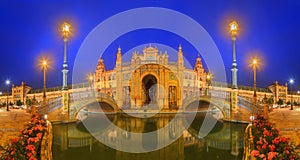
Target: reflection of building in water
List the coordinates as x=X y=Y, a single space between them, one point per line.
x=225 y=141
x=162 y=131
x=150 y=78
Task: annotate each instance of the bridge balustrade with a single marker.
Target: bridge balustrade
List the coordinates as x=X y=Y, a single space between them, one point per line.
x=50 y=106
x=247 y=104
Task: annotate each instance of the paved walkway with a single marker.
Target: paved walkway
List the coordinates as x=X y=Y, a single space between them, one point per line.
x=11 y=123
x=288 y=122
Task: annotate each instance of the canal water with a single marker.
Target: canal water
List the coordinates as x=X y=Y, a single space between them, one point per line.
x=74 y=141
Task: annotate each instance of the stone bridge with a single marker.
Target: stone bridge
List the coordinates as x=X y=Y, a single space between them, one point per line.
x=221 y=104
x=241 y=105
x=54 y=108
x=80 y=100
x=102 y=99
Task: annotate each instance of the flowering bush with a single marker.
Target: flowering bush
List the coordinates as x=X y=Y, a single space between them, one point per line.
x=27 y=145
x=268 y=144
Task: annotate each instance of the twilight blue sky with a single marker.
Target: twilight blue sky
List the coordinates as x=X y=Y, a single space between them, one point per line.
x=269 y=29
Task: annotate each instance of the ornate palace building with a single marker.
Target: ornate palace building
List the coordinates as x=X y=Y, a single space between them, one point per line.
x=150 y=78
x=280 y=91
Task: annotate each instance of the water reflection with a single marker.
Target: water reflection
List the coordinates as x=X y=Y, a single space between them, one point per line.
x=72 y=141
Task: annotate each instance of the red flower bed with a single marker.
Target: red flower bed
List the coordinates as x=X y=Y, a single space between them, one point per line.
x=27 y=145
x=268 y=144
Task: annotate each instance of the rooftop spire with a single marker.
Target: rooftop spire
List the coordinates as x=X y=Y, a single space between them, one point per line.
x=198 y=58
x=180 y=48
x=119 y=49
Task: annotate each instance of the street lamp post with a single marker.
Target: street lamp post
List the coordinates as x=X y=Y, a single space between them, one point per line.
x=254 y=66
x=298 y=92
x=7 y=82
x=208 y=81
x=233 y=30
x=44 y=64
x=65 y=29
x=90 y=79
x=1 y=95
x=291 y=83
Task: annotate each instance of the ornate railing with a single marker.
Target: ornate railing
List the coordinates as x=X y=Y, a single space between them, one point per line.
x=254 y=108
x=148 y=62
x=50 y=106
x=46 y=147
x=240 y=87
x=58 y=88
x=248 y=143
x=106 y=96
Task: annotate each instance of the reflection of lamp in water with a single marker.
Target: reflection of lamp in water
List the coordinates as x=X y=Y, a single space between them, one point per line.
x=126 y=132
x=172 y=133
x=112 y=135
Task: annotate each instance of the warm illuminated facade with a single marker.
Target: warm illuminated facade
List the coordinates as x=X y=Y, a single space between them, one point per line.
x=150 y=78
x=279 y=92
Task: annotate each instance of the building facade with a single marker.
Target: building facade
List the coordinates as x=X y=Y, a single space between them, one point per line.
x=279 y=92
x=149 y=79
x=18 y=93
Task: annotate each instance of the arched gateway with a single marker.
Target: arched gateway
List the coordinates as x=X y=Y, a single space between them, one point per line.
x=149 y=89
x=153 y=86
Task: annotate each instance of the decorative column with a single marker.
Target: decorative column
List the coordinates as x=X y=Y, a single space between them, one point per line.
x=119 y=79
x=233 y=102
x=65 y=67
x=233 y=29
x=65 y=94
x=65 y=104
x=233 y=95
x=180 y=64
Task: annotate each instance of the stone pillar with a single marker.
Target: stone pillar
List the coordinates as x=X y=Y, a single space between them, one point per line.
x=65 y=104
x=166 y=87
x=138 y=86
x=161 y=88
x=33 y=108
x=265 y=107
x=233 y=102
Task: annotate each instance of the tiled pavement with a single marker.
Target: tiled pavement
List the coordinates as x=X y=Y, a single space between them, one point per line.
x=11 y=123
x=288 y=122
